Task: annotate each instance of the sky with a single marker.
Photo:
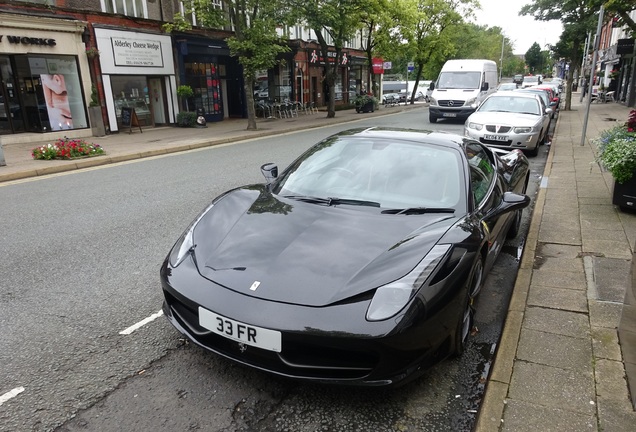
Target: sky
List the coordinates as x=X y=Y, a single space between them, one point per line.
x=522 y=31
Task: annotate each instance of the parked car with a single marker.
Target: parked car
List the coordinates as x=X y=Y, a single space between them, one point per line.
x=390 y=98
x=531 y=80
x=518 y=79
x=510 y=120
x=507 y=87
x=358 y=264
x=545 y=94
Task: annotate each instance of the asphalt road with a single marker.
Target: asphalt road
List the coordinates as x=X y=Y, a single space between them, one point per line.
x=81 y=253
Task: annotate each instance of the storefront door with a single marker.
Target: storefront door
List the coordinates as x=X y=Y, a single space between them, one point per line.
x=11 y=119
x=157 y=105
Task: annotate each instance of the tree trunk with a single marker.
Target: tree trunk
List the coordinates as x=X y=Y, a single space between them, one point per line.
x=249 y=99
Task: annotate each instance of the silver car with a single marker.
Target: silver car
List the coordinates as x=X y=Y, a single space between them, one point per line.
x=510 y=120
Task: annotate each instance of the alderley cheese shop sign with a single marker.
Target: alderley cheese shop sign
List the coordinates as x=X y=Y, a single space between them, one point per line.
x=136 y=52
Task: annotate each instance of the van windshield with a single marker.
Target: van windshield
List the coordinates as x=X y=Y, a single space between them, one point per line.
x=459 y=80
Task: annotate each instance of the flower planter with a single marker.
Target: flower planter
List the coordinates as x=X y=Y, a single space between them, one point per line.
x=625 y=194
x=367 y=107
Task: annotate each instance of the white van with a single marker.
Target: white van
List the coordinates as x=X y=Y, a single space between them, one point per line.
x=460 y=87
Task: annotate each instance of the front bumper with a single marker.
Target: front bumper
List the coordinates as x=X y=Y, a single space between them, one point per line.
x=333 y=344
x=529 y=141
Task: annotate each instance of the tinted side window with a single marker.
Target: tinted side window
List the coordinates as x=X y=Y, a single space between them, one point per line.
x=481 y=171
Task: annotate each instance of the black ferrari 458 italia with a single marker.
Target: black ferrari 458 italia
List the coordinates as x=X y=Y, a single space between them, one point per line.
x=358 y=264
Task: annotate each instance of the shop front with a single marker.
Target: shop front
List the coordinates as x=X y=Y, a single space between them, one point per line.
x=138 y=76
x=215 y=77
x=44 y=75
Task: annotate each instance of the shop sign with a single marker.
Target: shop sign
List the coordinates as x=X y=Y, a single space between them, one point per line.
x=315 y=57
x=136 y=52
x=23 y=40
x=625 y=46
x=377 y=66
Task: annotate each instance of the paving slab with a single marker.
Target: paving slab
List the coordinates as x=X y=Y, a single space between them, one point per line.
x=558 y=298
x=550 y=386
x=556 y=321
x=555 y=350
x=521 y=416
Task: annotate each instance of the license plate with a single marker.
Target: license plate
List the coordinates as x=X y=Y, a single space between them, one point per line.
x=263 y=338
x=449 y=114
x=496 y=137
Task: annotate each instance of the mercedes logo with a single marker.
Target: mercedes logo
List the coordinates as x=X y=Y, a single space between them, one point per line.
x=451 y=103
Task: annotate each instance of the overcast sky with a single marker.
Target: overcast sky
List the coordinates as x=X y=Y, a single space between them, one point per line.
x=522 y=31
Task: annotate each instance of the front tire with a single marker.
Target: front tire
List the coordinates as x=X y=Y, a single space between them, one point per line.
x=432 y=118
x=465 y=324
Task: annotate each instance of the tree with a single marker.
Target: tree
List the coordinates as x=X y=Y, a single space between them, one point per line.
x=621 y=9
x=579 y=18
x=426 y=30
x=255 y=41
x=534 y=59
x=336 y=21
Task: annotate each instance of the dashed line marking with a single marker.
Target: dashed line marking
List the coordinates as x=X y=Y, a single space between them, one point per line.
x=11 y=394
x=141 y=323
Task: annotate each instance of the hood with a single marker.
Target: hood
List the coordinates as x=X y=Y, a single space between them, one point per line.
x=504 y=118
x=455 y=94
x=308 y=254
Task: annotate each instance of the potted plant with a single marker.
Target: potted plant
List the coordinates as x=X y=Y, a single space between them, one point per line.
x=617 y=154
x=185 y=92
x=365 y=103
x=95 y=114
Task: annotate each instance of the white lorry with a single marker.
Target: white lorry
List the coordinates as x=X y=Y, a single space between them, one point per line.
x=460 y=87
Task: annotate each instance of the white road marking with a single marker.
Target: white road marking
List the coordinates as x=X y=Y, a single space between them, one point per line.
x=141 y=323
x=11 y=394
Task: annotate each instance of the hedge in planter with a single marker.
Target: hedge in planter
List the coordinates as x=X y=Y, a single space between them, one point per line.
x=617 y=154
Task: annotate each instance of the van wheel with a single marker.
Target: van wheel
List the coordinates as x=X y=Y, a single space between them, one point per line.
x=432 y=118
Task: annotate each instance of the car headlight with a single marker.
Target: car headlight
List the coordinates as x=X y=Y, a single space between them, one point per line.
x=521 y=130
x=389 y=299
x=185 y=244
x=432 y=100
x=476 y=126
x=470 y=101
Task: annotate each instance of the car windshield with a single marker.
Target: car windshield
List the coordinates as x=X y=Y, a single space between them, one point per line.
x=514 y=104
x=389 y=173
x=459 y=80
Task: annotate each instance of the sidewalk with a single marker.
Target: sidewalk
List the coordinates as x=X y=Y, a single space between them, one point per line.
x=559 y=365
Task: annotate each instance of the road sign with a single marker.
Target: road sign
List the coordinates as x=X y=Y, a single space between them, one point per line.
x=410 y=66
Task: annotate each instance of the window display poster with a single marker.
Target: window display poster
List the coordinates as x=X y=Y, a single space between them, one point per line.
x=57 y=102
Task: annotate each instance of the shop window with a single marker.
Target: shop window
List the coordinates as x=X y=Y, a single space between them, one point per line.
x=134 y=8
x=52 y=96
x=204 y=80
x=131 y=91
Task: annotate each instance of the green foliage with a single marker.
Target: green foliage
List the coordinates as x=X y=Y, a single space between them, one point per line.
x=617 y=150
x=362 y=100
x=94 y=100
x=65 y=148
x=185 y=91
x=186 y=119
x=536 y=59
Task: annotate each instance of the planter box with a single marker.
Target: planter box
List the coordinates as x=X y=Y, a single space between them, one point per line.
x=97 y=121
x=368 y=107
x=625 y=194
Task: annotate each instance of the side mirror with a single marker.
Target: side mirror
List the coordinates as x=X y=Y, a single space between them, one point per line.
x=269 y=171
x=485 y=87
x=511 y=201
x=432 y=86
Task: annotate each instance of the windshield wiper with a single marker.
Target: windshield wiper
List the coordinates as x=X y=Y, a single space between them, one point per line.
x=332 y=200
x=419 y=210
